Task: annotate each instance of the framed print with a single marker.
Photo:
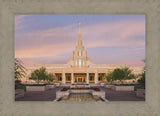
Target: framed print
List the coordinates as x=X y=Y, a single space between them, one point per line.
x=107 y=63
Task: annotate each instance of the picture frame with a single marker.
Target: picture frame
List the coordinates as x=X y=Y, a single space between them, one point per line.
x=9 y=8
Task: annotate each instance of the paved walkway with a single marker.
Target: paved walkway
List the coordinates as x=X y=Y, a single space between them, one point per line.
x=111 y=95
x=121 y=95
x=48 y=95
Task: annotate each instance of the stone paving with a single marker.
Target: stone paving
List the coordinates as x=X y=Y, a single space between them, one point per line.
x=111 y=95
x=48 y=95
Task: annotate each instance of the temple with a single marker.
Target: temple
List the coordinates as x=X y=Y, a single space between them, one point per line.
x=80 y=68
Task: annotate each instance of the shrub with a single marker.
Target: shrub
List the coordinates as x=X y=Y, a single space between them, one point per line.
x=17 y=81
x=34 y=84
x=142 y=79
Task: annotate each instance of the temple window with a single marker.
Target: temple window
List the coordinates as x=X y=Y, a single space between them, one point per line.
x=91 y=78
x=76 y=62
x=79 y=51
x=83 y=62
x=100 y=78
x=68 y=78
x=59 y=78
x=79 y=62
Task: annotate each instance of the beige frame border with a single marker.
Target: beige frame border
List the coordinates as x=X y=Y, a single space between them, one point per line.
x=148 y=108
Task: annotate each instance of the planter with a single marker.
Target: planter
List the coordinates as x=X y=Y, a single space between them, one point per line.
x=102 y=84
x=140 y=93
x=57 y=84
x=99 y=93
x=110 y=86
x=60 y=94
x=123 y=88
x=80 y=91
x=50 y=87
x=35 y=88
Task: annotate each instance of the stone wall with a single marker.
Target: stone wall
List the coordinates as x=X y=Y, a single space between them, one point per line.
x=35 y=88
x=123 y=88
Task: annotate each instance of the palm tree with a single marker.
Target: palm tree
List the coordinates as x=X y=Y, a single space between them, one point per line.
x=128 y=74
x=19 y=69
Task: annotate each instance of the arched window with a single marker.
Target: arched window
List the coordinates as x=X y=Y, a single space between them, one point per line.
x=83 y=62
x=79 y=51
x=79 y=62
x=76 y=62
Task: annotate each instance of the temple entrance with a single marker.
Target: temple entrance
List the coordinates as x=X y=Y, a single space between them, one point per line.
x=80 y=77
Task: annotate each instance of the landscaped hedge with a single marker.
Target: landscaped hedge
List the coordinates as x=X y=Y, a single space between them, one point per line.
x=18 y=81
x=34 y=84
x=21 y=87
x=139 y=87
x=83 y=88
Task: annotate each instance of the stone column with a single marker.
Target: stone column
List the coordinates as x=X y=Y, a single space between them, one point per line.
x=87 y=78
x=63 y=77
x=96 y=77
x=72 y=80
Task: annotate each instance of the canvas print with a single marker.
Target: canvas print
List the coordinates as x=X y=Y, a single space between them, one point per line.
x=79 y=58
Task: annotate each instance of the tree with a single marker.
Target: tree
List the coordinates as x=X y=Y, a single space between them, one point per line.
x=120 y=74
x=19 y=69
x=109 y=77
x=41 y=74
x=128 y=74
x=50 y=77
x=142 y=79
x=123 y=74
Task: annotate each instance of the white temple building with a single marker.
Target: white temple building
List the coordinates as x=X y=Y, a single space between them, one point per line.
x=80 y=67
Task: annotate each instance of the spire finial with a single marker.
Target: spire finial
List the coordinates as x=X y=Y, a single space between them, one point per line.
x=79 y=27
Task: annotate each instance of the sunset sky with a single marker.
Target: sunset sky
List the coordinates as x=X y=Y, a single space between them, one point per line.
x=109 y=39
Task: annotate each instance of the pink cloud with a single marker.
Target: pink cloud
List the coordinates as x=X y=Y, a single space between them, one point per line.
x=53 y=51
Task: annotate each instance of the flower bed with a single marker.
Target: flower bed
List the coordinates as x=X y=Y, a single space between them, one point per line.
x=64 y=88
x=80 y=88
x=96 y=89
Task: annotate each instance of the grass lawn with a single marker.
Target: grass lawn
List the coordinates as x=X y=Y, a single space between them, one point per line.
x=21 y=87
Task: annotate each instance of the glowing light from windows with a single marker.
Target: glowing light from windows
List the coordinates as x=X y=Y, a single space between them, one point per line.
x=79 y=62
x=79 y=51
x=76 y=62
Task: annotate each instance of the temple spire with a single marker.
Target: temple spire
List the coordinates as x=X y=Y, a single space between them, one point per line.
x=79 y=35
x=79 y=27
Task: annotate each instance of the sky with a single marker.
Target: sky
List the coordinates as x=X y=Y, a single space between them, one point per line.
x=108 y=39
